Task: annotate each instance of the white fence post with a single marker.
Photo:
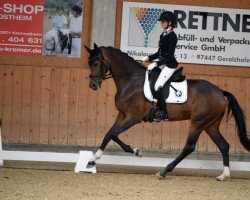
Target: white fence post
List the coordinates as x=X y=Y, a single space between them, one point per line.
x=1 y=147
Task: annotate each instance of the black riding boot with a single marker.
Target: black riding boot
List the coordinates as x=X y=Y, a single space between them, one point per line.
x=161 y=105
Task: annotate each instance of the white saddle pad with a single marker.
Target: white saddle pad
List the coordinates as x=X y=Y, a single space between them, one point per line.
x=179 y=96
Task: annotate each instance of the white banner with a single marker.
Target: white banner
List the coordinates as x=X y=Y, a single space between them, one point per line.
x=206 y=35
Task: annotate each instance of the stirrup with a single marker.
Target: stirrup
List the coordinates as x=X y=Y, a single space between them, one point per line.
x=160 y=116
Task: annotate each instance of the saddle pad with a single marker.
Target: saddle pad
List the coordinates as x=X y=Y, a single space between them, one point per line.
x=178 y=96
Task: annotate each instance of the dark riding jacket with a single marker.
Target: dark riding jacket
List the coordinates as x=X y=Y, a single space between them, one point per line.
x=165 y=53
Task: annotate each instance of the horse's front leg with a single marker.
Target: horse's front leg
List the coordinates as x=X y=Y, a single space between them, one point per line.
x=119 y=127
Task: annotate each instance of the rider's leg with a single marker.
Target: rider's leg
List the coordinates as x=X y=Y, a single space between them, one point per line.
x=165 y=74
x=161 y=104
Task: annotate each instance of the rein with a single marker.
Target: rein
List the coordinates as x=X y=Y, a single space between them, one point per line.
x=109 y=75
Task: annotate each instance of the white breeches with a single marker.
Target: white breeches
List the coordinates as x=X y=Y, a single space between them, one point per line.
x=165 y=74
x=76 y=47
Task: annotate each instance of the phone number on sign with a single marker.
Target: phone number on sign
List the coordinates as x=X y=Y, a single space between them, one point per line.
x=24 y=40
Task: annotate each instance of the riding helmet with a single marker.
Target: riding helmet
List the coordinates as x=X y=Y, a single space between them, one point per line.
x=168 y=16
x=77 y=9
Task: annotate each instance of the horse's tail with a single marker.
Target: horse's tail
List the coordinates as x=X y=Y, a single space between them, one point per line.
x=240 y=119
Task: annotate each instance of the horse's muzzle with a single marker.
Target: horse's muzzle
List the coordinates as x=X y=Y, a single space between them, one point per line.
x=95 y=85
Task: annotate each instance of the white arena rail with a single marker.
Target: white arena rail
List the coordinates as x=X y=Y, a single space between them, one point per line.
x=81 y=159
x=1 y=160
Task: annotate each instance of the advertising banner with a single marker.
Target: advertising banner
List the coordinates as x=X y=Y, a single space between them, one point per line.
x=62 y=28
x=41 y=27
x=21 y=27
x=206 y=35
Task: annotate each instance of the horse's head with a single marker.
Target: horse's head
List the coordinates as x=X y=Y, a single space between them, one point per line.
x=51 y=41
x=98 y=67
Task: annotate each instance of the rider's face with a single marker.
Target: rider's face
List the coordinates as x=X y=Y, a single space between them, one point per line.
x=74 y=13
x=165 y=24
x=60 y=12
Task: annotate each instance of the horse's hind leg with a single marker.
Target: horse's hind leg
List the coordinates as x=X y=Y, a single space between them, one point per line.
x=195 y=131
x=222 y=144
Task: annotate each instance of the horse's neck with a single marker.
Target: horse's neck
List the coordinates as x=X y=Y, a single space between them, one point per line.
x=122 y=64
x=126 y=72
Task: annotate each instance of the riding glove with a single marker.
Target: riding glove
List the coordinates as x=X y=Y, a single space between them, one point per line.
x=152 y=66
x=144 y=58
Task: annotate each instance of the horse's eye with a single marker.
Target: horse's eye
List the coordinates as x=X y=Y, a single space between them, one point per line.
x=95 y=64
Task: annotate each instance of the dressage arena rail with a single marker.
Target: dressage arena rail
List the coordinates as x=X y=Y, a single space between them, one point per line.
x=81 y=159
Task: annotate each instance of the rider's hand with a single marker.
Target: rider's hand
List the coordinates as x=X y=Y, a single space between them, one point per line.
x=152 y=66
x=144 y=58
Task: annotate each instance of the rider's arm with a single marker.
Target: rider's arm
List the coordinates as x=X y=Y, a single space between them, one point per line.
x=153 y=56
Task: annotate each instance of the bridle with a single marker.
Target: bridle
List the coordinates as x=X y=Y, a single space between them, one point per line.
x=103 y=69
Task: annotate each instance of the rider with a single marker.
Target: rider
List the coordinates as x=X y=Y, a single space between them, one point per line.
x=166 y=59
x=59 y=21
x=76 y=30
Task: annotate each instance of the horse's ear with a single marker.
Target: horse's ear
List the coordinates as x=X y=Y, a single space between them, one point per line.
x=95 y=46
x=88 y=49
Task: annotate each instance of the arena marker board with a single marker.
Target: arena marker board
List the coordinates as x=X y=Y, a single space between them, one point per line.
x=82 y=162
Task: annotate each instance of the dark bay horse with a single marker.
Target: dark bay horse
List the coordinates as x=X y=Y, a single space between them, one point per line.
x=205 y=106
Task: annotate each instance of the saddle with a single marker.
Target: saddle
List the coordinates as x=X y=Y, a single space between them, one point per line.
x=175 y=90
x=176 y=77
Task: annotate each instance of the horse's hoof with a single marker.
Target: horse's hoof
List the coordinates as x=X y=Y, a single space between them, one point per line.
x=91 y=164
x=160 y=176
x=138 y=152
x=220 y=178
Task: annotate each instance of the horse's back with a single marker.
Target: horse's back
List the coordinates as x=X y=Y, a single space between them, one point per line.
x=203 y=87
x=204 y=95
